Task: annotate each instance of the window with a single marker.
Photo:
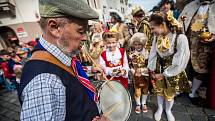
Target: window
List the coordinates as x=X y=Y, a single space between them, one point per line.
x=121 y=1
x=95 y=3
x=122 y=10
x=88 y=2
x=7 y=7
x=104 y=9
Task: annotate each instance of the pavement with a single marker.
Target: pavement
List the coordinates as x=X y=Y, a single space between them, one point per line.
x=9 y=106
x=183 y=110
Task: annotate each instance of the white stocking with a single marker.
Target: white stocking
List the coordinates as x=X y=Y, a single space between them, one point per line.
x=137 y=99
x=169 y=114
x=144 y=98
x=195 y=86
x=158 y=113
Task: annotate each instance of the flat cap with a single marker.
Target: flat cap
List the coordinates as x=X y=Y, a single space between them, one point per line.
x=61 y=8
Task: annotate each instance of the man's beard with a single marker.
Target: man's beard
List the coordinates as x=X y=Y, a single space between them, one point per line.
x=62 y=44
x=72 y=53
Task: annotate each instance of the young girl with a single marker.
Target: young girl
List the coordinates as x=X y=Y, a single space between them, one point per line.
x=114 y=60
x=168 y=59
x=138 y=64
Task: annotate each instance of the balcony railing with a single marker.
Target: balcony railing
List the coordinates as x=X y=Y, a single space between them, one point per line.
x=7 y=7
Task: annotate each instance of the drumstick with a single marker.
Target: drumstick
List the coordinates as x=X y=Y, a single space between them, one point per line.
x=109 y=84
x=107 y=80
x=114 y=75
x=113 y=108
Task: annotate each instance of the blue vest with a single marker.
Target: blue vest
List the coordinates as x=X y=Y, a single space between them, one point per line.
x=78 y=106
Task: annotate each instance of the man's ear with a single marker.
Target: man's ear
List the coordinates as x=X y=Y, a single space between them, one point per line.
x=53 y=28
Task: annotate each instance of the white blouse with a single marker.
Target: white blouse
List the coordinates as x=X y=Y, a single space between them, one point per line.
x=114 y=58
x=180 y=58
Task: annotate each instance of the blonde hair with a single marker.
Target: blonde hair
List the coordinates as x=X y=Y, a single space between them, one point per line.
x=139 y=37
x=108 y=35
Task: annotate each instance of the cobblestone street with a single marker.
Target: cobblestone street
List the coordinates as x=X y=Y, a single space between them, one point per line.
x=9 y=106
x=183 y=110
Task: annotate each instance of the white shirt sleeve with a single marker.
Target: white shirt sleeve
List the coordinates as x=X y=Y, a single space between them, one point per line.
x=152 y=57
x=180 y=58
x=108 y=71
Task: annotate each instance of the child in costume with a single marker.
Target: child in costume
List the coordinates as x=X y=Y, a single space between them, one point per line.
x=114 y=59
x=168 y=59
x=138 y=64
x=96 y=48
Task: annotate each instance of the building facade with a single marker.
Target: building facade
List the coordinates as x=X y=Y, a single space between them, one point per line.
x=103 y=6
x=19 y=21
x=19 y=18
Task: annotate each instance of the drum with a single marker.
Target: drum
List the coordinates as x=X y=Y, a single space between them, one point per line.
x=115 y=101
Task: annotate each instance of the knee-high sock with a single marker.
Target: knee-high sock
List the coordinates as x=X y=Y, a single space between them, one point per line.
x=137 y=99
x=158 y=113
x=144 y=98
x=195 y=85
x=168 y=109
x=137 y=96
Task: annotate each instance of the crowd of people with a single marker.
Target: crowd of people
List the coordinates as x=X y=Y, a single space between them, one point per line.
x=12 y=60
x=167 y=53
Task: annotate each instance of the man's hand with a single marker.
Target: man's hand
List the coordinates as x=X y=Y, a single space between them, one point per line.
x=97 y=118
x=97 y=69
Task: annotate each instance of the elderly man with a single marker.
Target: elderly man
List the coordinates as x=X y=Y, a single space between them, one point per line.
x=53 y=85
x=200 y=17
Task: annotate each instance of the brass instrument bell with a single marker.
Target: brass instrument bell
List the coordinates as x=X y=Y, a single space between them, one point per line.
x=205 y=36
